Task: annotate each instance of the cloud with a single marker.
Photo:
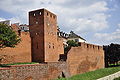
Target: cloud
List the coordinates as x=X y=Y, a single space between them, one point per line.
x=108 y=38
x=2 y=19
x=13 y=19
x=119 y=25
x=80 y=16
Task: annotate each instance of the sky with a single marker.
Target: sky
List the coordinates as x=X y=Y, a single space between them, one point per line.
x=97 y=21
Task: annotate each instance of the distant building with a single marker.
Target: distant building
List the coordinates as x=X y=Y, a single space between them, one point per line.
x=24 y=27
x=7 y=22
x=75 y=37
x=71 y=36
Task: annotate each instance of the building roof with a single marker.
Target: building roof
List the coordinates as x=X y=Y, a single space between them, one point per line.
x=73 y=35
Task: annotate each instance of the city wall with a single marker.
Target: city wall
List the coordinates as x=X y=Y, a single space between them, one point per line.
x=43 y=71
x=84 y=58
x=21 y=53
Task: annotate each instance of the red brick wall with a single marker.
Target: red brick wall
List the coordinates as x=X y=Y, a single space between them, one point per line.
x=84 y=58
x=21 y=53
x=34 y=71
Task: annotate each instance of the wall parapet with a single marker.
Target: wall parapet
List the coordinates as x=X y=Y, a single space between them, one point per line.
x=90 y=46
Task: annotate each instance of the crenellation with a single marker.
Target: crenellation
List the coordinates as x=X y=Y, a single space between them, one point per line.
x=90 y=46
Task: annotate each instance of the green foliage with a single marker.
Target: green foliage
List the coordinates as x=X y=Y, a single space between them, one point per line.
x=93 y=75
x=72 y=43
x=8 y=37
x=112 y=55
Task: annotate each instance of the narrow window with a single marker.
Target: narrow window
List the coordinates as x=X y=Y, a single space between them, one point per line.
x=79 y=44
x=87 y=45
x=53 y=45
x=51 y=15
x=40 y=13
x=37 y=45
x=36 y=22
x=47 y=14
x=54 y=17
x=48 y=24
x=34 y=14
x=93 y=46
x=49 y=45
x=36 y=33
x=98 y=47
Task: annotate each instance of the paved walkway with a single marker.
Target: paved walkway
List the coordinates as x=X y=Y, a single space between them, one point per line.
x=111 y=77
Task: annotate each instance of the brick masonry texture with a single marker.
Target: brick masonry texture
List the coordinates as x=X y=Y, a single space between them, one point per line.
x=84 y=58
x=21 y=53
x=43 y=71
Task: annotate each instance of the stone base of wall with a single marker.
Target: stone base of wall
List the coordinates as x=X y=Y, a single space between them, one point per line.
x=43 y=71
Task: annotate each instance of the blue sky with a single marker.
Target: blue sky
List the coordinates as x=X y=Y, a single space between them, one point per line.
x=98 y=21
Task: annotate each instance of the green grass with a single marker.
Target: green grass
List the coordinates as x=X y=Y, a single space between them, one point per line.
x=5 y=65
x=93 y=75
x=114 y=64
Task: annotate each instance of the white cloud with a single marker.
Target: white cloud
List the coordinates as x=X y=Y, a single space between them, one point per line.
x=13 y=20
x=77 y=15
x=119 y=25
x=2 y=19
x=108 y=38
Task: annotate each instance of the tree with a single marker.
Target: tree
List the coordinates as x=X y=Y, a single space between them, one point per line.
x=72 y=43
x=112 y=54
x=8 y=37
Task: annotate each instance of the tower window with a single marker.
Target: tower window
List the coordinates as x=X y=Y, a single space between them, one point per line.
x=53 y=45
x=49 y=45
x=48 y=24
x=87 y=46
x=54 y=17
x=98 y=47
x=40 y=13
x=34 y=14
x=93 y=46
x=51 y=15
x=36 y=33
x=36 y=22
x=47 y=14
x=37 y=45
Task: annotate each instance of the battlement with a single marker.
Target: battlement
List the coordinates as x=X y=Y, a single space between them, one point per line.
x=41 y=12
x=90 y=46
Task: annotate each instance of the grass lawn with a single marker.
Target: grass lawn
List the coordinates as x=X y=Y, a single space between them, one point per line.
x=93 y=75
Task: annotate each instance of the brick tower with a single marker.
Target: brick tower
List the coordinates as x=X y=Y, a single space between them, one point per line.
x=43 y=33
